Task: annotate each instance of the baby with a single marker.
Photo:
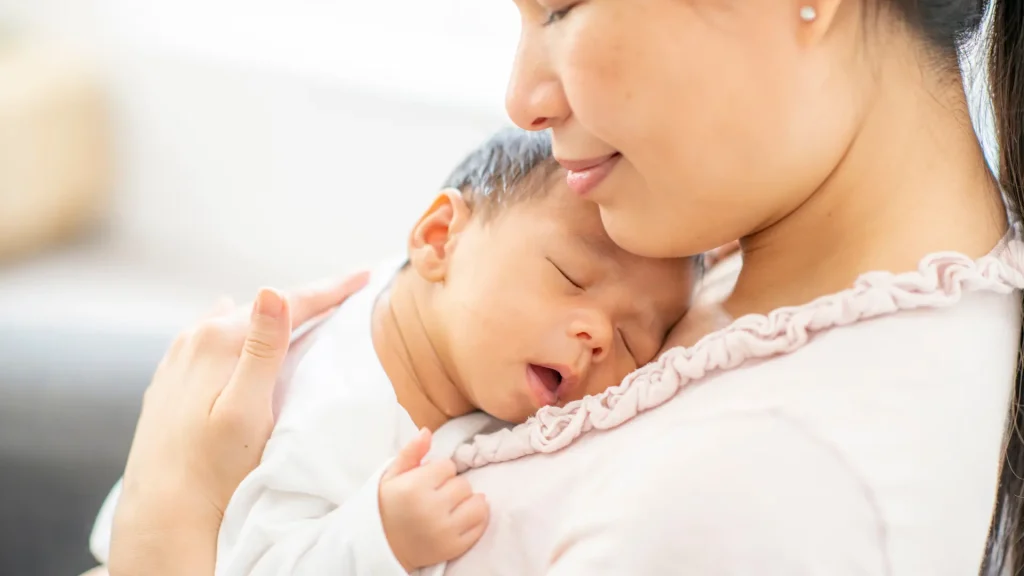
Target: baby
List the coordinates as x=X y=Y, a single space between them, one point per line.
x=511 y=297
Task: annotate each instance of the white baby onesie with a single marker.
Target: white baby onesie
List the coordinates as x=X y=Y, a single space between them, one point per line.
x=310 y=507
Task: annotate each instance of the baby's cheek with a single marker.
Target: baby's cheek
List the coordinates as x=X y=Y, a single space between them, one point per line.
x=623 y=367
x=598 y=384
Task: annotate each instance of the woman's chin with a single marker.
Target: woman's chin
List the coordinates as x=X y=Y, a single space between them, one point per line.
x=640 y=233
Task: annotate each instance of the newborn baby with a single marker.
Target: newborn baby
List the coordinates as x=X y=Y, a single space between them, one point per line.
x=511 y=297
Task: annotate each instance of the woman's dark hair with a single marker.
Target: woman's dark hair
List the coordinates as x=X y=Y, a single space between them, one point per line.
x=946 y=25
x=1006 y=77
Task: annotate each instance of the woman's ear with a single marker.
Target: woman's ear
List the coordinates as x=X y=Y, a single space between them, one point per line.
x=434 y=236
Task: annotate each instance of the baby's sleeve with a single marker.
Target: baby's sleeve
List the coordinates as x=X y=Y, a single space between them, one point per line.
x=99 y=539
x=751 y=494
x=310 y=507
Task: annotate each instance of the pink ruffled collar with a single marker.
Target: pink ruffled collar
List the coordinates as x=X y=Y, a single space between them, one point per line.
x=940 y=280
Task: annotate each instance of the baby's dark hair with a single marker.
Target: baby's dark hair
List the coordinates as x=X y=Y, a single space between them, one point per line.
x=511 y=166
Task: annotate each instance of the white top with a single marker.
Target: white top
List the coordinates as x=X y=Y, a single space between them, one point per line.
x=310 y=507
x=858 y=434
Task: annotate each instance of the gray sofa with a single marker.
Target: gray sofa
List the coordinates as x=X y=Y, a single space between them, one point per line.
x=69 y=398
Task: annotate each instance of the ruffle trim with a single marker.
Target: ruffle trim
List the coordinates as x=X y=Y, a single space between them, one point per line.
x=941 y=280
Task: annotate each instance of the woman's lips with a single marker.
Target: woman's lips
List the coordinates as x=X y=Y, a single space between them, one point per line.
x=584 y=175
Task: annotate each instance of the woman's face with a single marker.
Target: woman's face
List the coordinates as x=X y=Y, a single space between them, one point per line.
x=736 y=108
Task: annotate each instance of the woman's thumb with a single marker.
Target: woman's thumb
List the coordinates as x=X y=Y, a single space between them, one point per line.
x=411 y=455
x=265 y=348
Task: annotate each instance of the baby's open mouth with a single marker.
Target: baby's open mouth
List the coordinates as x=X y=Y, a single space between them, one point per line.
x=549 y=377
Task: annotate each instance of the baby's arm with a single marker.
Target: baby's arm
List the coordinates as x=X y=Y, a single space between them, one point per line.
x=311 y=506
x=408 y=517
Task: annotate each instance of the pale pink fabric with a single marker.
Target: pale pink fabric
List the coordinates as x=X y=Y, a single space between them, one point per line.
x=940 y=280
x=860 y=434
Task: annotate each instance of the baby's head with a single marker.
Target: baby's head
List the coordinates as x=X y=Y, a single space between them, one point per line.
x=531 y=302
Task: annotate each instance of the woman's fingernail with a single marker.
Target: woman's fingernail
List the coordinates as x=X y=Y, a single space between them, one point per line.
x=269 y=304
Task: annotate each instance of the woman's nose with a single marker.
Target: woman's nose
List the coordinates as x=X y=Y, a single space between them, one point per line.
x=534 y=98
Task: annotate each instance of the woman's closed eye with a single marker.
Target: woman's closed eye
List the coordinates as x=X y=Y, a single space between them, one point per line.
x=555 y=15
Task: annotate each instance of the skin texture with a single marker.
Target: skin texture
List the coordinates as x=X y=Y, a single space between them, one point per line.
x=830 y=148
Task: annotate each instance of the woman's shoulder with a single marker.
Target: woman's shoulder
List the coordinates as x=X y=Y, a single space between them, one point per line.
x=751 y=491
x=836 y=421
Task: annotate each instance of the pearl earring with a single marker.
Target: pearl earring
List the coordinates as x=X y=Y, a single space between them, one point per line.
x=808 y=14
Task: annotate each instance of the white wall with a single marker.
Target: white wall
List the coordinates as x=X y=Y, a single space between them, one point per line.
x=279 y=140
x=294 y=175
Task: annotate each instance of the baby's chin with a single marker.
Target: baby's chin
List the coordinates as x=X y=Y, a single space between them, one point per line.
x=510 y=409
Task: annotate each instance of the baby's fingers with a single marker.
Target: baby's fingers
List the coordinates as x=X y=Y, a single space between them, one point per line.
x=470 y=522
x=433 y=474
x=472 y=536
x=471 y=517
x=410 y=456
x=455 y=492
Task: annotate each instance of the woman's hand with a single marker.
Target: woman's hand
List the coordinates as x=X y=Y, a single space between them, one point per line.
x=205 y=420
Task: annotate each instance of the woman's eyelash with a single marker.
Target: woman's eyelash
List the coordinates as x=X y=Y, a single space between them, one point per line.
x=566 y=276
x=557 y=15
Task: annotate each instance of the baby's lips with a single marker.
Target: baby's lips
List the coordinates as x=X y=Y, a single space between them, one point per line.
x=570 y=381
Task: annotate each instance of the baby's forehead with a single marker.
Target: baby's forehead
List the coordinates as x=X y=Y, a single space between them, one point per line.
x=579 y=219
x=579 y=224
x=659 y=287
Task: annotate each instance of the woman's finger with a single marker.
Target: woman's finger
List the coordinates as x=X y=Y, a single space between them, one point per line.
x=263 y=353
x=305 y=303
x=265 y=335
x=308 y=303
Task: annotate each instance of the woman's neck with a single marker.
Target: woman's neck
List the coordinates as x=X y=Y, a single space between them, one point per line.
x=405 y=341
x=913 y=181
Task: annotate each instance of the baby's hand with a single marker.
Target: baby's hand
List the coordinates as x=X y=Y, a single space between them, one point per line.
x=429 y=514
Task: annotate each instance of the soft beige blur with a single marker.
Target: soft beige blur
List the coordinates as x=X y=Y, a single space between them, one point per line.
x=55 y=170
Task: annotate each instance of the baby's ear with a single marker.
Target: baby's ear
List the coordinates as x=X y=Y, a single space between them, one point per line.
x=433 y=238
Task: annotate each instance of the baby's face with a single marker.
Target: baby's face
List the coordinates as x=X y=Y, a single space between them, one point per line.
x=541 y=307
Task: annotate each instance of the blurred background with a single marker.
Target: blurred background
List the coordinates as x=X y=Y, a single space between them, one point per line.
x=155 y=154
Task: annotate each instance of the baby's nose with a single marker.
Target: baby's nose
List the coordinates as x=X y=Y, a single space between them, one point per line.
x=595 y=331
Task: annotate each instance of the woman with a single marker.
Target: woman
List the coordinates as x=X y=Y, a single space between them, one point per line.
x=827 y=430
